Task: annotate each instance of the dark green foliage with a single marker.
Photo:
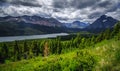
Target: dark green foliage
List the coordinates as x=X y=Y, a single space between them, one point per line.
x=41 y=45
x=36 y=49
x=107 y=34
x=4 y=53
x=86 y=61
x=117 y=55
x=16 y=50
x=77 y=40
x=59 y=46
x=26 y=48
x=5 y=50
x=116 y=29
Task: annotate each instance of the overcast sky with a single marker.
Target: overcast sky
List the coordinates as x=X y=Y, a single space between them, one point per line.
x=63 y=10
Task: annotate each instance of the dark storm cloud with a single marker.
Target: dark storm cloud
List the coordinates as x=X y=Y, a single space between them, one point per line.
x=118 y=5
x=114 y=8
x=94 y=15
x=60 y=4
x=56 y=10
x=63 y=10
x=79 y=4
x=26 y=3
x=2 y=0
x=103 y=7
x=22 y=2
x=104 y=4
x=110 y=6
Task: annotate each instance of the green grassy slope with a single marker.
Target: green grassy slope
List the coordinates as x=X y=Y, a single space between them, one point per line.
x=109 y=55
x=104 y=56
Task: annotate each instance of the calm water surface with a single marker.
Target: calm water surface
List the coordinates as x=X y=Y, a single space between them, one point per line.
x=13 y=38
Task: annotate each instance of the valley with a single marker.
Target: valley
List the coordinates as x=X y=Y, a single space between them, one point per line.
x=59 y=35
x=89 y=53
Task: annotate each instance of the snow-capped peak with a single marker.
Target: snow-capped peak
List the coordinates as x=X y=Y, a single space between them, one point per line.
x=105 y=20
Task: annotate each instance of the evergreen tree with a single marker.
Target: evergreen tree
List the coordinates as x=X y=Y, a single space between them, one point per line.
x=4 y=53
x=93 y=40
x=82 y=44
x=16 y=51
x=77 y=40
x=59 y=47
x=107 y=34
x=26 y=50
x=116 y=29
x=5 y=50
x=99 y=38
x=36 y=49
x=54 y=46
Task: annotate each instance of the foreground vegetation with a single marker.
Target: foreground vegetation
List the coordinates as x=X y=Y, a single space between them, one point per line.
x=93 y=53
x=105 y=56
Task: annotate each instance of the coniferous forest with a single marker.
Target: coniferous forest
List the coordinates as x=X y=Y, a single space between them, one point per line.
x=93 y=52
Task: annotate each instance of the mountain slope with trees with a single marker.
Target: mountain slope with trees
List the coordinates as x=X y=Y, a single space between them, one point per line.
x=15 y=29
x=97 y=52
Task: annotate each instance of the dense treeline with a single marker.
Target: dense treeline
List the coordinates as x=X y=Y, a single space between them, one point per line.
x=18 y=50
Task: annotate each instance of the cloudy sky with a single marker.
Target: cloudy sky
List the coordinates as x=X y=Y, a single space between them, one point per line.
x=63 y=10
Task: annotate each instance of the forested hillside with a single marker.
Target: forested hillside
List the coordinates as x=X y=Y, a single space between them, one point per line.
x=83 y=53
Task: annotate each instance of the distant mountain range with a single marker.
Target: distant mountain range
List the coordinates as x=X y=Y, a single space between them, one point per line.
x=77 y=24
x=32 y=25
x=51 y=22
x=101 y=24
x=33 y=20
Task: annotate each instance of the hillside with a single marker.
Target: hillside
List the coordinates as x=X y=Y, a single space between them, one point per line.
x=15 y=29
x=103 y=57
x=93 y=53
x=18 y=29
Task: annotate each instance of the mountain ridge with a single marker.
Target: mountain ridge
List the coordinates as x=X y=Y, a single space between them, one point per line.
x=32 y=25
x=102 y=23
x=33 y=20
x=76 y=24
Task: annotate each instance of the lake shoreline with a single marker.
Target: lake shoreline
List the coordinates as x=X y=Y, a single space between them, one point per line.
x=42 y=36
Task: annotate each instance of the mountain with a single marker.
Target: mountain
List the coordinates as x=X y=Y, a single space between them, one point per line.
x=17 y=29
x=76 y=24
x=101 y=24
x=31 y=25
x=33 y=20
x=34 y=25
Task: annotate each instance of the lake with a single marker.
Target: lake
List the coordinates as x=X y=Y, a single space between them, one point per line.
x=13 y=38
